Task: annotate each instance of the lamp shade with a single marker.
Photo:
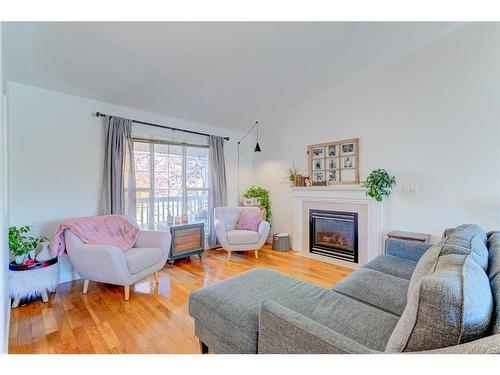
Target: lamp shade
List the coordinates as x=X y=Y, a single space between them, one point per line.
x=257 y=148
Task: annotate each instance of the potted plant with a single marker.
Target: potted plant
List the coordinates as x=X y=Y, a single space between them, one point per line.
x=262 y=195
x=292 y=172
x=20 y=244
x=379 y=184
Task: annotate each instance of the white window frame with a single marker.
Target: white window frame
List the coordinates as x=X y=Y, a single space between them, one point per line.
x=185 y=190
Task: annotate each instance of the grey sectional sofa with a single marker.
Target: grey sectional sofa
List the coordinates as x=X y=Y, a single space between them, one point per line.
x=415 y=298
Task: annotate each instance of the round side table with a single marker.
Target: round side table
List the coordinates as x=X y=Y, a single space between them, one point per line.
x=32 y=280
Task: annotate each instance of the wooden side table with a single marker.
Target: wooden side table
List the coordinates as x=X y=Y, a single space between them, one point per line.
x=32 y=280
x=410 y=236
x=187 y=240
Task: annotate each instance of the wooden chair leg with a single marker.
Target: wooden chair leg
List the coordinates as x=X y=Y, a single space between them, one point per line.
x=127 y=292
x=156 y=277
x=256 y=254
x=228 y=255
x=203 y=347
x=85 y=286
x=15 y=303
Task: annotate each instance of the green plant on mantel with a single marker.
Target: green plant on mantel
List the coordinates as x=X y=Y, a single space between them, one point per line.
x=379 y=184
x=20 y=243
x=292 y=171
x=262 y=195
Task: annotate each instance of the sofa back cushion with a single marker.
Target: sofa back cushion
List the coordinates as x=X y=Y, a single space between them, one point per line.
x=449 y=299
x=465 y=238
x=228 y=215
x=472 y=229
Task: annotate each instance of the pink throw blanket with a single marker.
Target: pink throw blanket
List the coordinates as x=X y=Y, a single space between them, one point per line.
x=108 y=230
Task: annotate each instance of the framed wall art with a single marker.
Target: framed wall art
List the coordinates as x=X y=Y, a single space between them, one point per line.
x=334 y=163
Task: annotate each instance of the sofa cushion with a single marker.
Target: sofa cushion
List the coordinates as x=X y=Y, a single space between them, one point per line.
x=450 y=305
x=375 y=288
x=392 y=265
x=469 y=230
x=140 y=258
x=465 y=239
x=230 y=309
x=462 y=240
x=240 y=237
x=494 y=255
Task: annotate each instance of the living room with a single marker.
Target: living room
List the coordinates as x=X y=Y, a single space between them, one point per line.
x=250 y=187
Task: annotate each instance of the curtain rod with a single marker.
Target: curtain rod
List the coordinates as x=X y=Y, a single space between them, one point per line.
x=98 y=114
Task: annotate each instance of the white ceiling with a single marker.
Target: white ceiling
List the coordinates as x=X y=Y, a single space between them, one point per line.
x=223 y=74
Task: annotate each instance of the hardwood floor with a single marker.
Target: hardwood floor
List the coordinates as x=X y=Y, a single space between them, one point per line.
x=154 y=320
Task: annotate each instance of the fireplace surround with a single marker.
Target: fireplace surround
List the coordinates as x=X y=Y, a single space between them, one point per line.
x=334 y=234
x=345 y=198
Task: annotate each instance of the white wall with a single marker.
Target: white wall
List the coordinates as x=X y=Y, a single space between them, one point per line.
x=56 y=155
x=4 y=259
x=432 y=120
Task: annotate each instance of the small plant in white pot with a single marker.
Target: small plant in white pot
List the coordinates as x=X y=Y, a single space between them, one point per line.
x=20 y=244
x=292 y=171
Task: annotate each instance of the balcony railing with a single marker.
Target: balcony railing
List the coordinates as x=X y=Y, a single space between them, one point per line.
x=168 y=210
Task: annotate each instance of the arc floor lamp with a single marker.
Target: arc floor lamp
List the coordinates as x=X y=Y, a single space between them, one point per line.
x=256 y=149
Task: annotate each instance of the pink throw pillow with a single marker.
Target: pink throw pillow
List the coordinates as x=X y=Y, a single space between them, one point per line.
x=249 y=220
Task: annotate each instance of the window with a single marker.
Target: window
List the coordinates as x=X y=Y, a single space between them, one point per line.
x=171 y=182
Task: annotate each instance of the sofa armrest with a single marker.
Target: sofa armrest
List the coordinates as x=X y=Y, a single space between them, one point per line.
x=406 y=249
x=155 y=238
x=220 y=231
x=486 y=345
x=263 y=230
x=284 y=331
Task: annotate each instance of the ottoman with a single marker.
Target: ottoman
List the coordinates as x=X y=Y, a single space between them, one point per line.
x=226 y=314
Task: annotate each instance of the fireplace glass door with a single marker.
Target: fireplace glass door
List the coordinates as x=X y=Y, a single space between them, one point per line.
x=334 y=234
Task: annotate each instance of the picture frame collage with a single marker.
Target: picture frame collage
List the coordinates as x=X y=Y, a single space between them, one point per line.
x=334 y=163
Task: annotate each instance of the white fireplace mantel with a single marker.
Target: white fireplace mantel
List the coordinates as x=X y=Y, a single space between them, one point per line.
x=351 y=198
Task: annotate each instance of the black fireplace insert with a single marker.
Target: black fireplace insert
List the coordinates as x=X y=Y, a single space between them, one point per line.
x=334 y=234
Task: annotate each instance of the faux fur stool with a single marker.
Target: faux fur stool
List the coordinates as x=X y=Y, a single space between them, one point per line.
x=30 y=283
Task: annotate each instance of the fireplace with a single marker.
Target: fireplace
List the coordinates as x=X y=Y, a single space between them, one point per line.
x=334 y=234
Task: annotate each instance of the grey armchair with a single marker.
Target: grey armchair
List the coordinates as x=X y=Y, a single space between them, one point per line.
x=232 y=239
x=108 y=264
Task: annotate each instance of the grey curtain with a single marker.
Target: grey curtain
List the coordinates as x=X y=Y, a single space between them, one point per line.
x=218 y=186
x=118 y=185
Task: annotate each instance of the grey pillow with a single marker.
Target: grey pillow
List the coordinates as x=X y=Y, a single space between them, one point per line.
x=449 y=305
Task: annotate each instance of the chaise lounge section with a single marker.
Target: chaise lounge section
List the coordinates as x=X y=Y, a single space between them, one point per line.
x=414 y=298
